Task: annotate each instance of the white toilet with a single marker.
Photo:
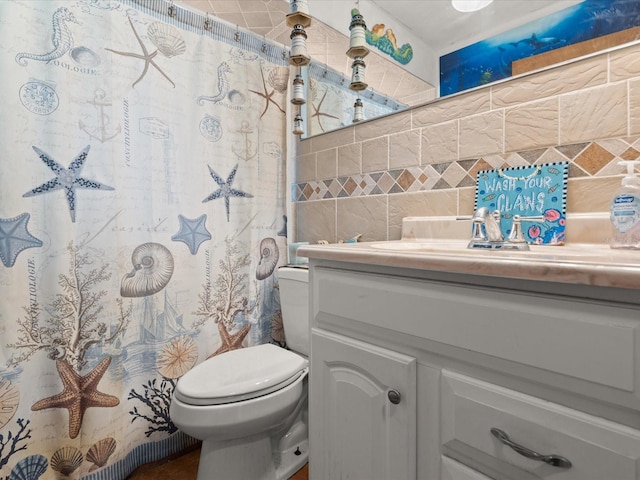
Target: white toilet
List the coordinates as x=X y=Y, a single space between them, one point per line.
x=250 y=406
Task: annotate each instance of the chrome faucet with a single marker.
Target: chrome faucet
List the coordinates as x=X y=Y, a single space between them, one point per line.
x=487 y=233
x=491 y=222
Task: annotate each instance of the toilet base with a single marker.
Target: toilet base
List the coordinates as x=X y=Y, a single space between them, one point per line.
x=292 y=451
x=253 y=458
x=242 y=459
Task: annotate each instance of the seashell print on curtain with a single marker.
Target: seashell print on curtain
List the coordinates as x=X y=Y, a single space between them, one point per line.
x=142 y=219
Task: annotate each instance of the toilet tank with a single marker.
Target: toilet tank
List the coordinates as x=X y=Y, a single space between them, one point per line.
x=294 y=302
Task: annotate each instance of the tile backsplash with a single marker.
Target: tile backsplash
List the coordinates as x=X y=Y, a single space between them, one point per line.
x=423 y=161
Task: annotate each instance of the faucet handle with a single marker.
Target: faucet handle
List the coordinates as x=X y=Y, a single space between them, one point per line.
x=516 y=235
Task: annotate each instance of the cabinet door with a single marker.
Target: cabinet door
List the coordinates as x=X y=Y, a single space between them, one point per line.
x=362 y=411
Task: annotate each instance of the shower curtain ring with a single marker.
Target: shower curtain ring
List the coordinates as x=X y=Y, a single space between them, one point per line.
x=237 y=35
x=173 y=11
x=207 y=23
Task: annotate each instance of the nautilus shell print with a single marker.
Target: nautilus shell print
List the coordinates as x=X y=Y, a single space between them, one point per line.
x=152 y=270
x=269 y=255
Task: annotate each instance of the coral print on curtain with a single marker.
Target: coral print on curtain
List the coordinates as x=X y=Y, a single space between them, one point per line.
x=142 y=212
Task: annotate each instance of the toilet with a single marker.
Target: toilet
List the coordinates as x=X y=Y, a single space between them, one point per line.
x=250 y=406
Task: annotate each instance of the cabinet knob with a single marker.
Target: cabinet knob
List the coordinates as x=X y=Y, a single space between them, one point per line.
x=394 y=396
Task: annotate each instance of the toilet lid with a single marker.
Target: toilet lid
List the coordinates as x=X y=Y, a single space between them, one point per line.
x=240 y=375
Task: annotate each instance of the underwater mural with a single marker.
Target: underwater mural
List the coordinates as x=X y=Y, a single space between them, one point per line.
x=120 y=272
x=491 y=59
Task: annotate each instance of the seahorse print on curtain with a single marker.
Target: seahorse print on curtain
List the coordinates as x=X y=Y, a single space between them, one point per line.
x=62 y=38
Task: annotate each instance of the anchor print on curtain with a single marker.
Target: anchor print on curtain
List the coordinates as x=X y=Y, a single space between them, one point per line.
x=142 y=216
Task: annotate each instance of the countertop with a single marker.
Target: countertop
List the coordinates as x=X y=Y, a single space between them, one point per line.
x=598 y=266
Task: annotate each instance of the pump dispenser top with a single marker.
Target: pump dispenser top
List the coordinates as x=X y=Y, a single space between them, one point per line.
x=625 y=210
x=630 y=178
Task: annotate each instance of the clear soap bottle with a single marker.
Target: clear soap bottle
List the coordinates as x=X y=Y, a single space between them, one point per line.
x=625 y=210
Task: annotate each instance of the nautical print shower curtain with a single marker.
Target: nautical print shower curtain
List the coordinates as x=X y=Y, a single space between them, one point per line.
x=142 y=216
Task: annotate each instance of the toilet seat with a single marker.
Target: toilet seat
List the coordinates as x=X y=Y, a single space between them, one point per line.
x=240 y=375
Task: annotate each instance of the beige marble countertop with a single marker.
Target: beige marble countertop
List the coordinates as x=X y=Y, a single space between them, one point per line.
x=591 y=262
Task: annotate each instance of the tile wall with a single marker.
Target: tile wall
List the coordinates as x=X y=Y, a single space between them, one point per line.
x=364 y=179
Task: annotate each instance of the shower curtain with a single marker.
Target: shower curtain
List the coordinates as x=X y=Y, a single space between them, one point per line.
x=142 y=216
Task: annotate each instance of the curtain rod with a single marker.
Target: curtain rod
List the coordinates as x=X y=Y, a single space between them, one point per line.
x=214 y=27
x=219 y=29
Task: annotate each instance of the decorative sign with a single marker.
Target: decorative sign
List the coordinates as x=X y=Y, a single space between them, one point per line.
x=531 y=191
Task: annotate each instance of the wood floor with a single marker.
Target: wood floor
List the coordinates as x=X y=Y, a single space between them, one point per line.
x=185 y=467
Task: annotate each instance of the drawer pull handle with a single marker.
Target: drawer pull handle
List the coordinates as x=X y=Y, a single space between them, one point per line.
x=554 y=460
x=394 y=396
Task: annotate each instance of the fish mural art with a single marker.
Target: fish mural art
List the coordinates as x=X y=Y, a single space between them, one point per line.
x=491 y=59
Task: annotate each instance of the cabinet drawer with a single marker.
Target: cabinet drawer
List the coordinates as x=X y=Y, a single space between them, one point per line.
x=590 y=341
x=597 y=449
x=452 y=470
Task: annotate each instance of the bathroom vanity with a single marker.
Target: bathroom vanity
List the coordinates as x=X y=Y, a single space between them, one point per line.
x=431 y=361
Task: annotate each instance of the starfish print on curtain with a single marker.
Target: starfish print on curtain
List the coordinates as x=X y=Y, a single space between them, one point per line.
x=230 y=341
x=78 y=394
x=318 y=113
x=66 y=178
x=267 y=95
x=159 y=39
x=14 y=238
x=192 y=232
x=225 y=191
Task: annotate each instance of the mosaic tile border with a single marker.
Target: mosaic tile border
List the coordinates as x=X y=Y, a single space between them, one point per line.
x=589 y=159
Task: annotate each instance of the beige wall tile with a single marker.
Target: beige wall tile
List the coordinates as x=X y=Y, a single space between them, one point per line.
x=567 y=78
x=591 y=194
x=327 y=164
x=333 y=139
x=531 y=125
x=394 y=123
x=419 y=204
x=481 y=134
x=466 y=200
x=439 y=143
x=404 y=149
x=634 y=107
x=362 y=215
x=375 y=155
x=315 y=221
x=305 y=168
x=303 y=146
x=449 y=109
x=625 y=63
x=350 y=159
x=594 y=113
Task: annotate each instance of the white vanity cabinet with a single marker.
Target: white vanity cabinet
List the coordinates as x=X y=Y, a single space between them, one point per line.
x=554 y=376
x=364 y=404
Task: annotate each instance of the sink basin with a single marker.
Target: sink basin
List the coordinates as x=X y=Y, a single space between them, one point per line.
x=421 y=245
x=573 y=252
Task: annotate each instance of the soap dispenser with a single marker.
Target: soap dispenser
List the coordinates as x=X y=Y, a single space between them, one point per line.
x=625 y=210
